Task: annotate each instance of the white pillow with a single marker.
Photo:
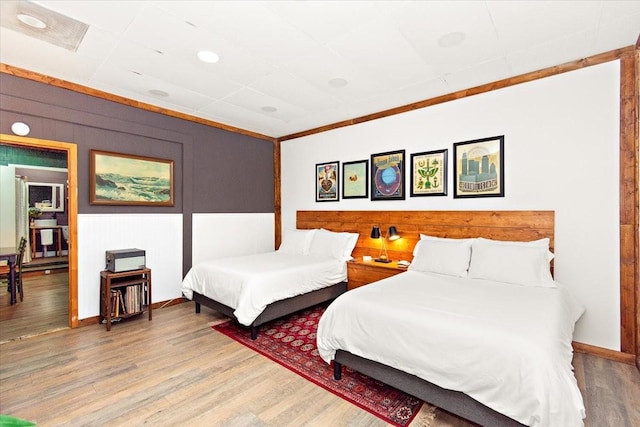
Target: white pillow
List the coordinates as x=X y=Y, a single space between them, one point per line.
x=297 y=242
x=540 y=243
x=520 y=263
x=440 y=239
x=338 y=245
x=443 y=256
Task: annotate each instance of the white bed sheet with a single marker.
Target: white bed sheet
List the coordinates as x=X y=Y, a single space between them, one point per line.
x=507 y=346
x=249 y=283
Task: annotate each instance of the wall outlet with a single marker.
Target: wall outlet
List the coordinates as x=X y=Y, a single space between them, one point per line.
x=47 y=272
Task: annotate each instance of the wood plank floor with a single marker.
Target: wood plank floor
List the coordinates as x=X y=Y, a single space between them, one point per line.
x=176 y=370
x=45 y=306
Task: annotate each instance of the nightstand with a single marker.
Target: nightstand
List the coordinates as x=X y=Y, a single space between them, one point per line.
x=361 y=273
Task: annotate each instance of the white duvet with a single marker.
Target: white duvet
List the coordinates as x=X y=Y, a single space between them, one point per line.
x=249 y=283
x=507 y=346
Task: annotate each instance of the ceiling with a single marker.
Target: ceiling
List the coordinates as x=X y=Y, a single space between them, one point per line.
x=290 y=66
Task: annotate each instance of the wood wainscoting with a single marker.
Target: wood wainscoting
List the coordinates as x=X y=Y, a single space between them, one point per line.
x=499 y=225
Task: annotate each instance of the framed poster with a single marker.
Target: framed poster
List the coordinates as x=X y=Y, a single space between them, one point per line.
x=125 y=179
x=355 y=180
x=429 y=173
x=478 y=169
x=327 y=182
x=387 y=175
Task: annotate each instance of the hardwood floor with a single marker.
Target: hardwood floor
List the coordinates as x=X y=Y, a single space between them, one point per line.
x=176 y=370
x=45 y=306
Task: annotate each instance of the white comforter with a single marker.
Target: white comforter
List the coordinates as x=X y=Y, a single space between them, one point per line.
x=249 y=283
x=507 y=346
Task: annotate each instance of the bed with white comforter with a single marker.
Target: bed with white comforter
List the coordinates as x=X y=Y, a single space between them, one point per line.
x=249 y=283
x=309 y=267
x=506 y=345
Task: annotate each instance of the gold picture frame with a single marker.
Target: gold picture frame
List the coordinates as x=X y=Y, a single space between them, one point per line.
x=130 y=180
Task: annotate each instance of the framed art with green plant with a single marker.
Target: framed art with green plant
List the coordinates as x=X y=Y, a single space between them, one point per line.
x=429 y=173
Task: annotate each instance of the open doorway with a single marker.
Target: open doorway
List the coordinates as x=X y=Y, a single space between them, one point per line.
x=71 y=194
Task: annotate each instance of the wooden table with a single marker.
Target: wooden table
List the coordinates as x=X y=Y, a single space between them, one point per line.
x=57 y=228
x=10 y=254
x=360 y=273
x=140 y=279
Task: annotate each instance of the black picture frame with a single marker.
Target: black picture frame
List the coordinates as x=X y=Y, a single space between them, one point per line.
x=478 y=168
x=429 y=172
x=387 y=175
x=355 y=179
x=327 y=181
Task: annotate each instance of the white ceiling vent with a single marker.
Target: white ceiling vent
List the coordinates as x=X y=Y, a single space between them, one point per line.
x=44 y=24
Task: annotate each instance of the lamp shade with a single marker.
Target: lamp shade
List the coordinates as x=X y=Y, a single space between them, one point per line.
x=393 y=233
x=375 y=232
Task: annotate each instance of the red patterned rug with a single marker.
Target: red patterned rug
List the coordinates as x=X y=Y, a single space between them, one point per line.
x=291 y=342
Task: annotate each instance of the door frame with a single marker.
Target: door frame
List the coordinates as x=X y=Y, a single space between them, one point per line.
x=72 y=194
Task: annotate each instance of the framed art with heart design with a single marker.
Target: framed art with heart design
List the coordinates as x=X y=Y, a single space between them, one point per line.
x=327 y=182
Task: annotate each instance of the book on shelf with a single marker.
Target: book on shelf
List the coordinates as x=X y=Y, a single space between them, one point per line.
x=117 y=303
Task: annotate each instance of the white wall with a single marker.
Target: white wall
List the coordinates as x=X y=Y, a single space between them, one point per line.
x=160 y=235
x=225 y=235
x=561 y=153
x=7 y=206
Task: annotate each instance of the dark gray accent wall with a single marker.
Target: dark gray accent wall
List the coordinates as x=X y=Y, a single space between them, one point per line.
x=216 y=171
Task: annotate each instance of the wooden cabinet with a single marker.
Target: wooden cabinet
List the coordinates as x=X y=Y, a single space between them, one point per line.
x=124 y=294
x=361 y=273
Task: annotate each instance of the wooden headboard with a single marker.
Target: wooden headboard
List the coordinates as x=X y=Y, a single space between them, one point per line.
x=498 y=225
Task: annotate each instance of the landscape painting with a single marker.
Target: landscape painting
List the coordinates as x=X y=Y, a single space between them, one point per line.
x=123 y=179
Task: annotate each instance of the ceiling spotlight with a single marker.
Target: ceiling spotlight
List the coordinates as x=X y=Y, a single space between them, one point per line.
x=208 y=56
x=338 y=82
x=451 y=39
x=269 y=109
x=31 y=21
x=20 y=129
x=158 y=92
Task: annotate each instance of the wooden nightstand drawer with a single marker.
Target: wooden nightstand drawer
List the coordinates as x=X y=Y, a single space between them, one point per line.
x=361 y=273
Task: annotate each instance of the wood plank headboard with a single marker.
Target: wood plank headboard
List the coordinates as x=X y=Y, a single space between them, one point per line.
x=498 y=225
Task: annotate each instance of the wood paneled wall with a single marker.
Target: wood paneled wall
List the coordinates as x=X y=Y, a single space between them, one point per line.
x=498 y=225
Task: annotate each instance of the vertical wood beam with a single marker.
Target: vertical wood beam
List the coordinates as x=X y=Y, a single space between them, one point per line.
x=629 y=204
x=277 y=197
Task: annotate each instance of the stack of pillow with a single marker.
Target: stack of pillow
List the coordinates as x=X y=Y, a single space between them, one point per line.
x=321 y=242
x=521 y=263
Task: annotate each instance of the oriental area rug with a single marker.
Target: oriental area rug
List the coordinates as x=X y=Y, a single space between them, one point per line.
x=291 y=342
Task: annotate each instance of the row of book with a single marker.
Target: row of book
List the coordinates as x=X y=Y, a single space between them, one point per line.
x=127 y=300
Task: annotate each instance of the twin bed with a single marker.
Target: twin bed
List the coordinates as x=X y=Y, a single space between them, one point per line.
x=309 y=268
x=476 y=326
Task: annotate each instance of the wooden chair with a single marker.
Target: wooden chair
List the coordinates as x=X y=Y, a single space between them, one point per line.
x=4 y=270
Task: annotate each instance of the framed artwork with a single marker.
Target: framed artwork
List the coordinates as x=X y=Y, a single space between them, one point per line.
x=355 y=180
x=478 y=169
x=327 y=182
x=429 y=173
x=124 y=179
x=387 y=175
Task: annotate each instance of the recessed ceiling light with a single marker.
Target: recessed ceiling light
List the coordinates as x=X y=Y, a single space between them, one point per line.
x=20 y=129
x=31 y=21
x=338 y=82
x=158 y=92
x=269 y=109
x=208 y=56
x=451 y=39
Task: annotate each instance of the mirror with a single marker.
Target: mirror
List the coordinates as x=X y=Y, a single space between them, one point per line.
x=48 y=197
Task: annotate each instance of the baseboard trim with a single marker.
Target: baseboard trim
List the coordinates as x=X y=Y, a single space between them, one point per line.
x=94 y=320
x=605 y=353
